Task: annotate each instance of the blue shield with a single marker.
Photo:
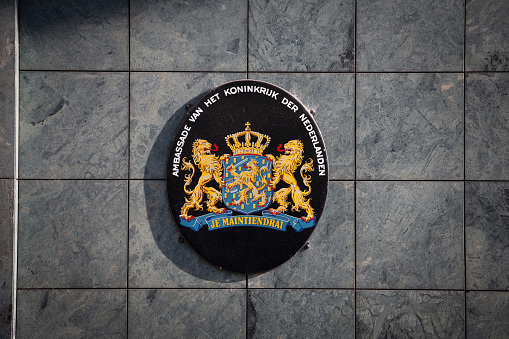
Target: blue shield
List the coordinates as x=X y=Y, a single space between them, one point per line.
x=247 y=183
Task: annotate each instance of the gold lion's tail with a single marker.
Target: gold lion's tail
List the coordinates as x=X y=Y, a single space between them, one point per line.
x=306 y=179
x=187 y=165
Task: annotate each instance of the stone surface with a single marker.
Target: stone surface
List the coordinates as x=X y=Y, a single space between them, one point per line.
x=487 y=314
x=158 y=103
x=71 y=314
x=300 y=314
x=187 y=314
x=72 y=234
x=410 y=314
x=410 y=235
x=188 y=35
x=74 y=35
x=487 y=126
x=73 y=125
x=410 y=126
x=487 y=35
x=7 y=85
x=329 y=262
x=487 y=235
x=416 y=35
x=6 y=255
x=156 y=257
x=331 y=97
x=301 y=35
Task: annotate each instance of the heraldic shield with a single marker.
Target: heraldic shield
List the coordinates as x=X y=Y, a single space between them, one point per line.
x=247 y=183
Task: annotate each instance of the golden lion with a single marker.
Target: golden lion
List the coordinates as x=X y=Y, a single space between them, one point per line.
x=283 y=168
x=211 y=168
x=249 y=178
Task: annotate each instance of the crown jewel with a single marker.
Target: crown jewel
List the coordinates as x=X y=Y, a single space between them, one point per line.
x=247 y=146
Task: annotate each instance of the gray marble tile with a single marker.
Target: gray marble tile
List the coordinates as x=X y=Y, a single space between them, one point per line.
x=410 y=235
x=301 y=35
x=487 y=314
x=63 y=314
x=410 y=126
x=487 y=35
x=329 y=262
x=487 y=235
x=410 y=314
x=187 y=314
x=6 y=255
x=188 y=35
x=72 y=234
x=300 y=314
x=156 y=257
x=331 y=96
x=415 y=35
x=487 y=126
x=158 y=103
x=73 y=125
x=74 y=35
x=7 y=56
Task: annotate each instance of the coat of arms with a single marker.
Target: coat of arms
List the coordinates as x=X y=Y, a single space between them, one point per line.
x=250 y=182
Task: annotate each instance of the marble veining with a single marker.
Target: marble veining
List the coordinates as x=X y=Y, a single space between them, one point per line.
x=63 y=314
x=487 y=235
x=487 y=126
x=300 y=314
x=410 y=126
x=410 y=235
x=66 y=135
x=187 y=313
x=301 y=35
x=188 y=35
x=409 y=36
x=6 y=255
x=74 y=35
x=410 y=314
x=487 y=314
x=72 y=234
x=487 y=35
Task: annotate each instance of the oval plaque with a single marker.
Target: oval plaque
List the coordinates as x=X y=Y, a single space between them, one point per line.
x=247 y=176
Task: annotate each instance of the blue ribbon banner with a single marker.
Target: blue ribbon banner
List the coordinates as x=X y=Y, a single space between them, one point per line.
x=277 y=222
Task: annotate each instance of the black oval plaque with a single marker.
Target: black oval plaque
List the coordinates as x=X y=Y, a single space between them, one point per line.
x=247 y=176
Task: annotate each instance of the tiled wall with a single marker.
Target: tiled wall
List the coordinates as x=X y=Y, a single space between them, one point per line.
x=412 y=100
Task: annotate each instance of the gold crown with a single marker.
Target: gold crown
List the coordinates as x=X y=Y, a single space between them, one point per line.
x=247 y=147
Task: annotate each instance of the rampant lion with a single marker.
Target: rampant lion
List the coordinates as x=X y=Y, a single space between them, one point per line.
x=283 y=168
x=249 y=178
x=211 y=167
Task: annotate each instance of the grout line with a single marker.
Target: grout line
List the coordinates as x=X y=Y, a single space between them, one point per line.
x=259 y=288
x=355 y=177
x=128 y=161
x=258 y=72
x=247 y=76
x=247 y=45
x=465 y=165
x=247 y=307
x=16 y=174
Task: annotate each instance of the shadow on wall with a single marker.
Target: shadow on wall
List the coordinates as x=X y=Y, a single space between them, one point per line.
x=162 y=225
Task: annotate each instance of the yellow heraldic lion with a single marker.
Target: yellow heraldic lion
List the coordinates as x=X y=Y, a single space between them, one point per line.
x=211 y=168
x=249 y=178
x=283 y=168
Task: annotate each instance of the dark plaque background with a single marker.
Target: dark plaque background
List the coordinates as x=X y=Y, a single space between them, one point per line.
x=247 y=249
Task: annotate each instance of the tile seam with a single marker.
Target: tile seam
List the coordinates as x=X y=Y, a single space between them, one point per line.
x=16 y=173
